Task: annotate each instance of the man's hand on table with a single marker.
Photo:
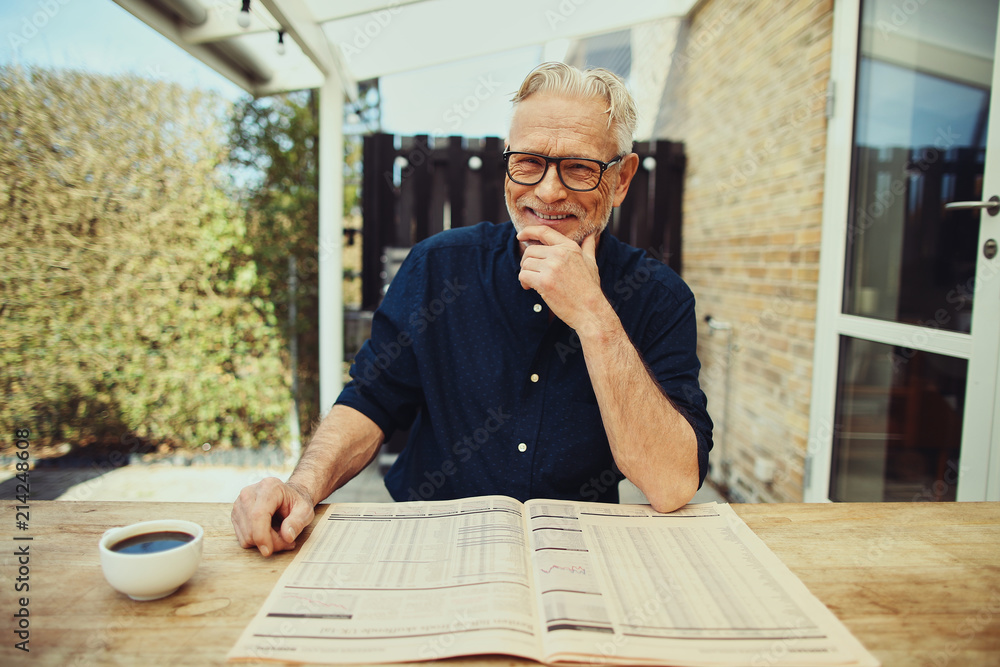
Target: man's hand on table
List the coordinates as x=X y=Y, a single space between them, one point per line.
x=256 y=508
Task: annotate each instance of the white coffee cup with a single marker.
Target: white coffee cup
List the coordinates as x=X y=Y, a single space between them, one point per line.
x=150 y=576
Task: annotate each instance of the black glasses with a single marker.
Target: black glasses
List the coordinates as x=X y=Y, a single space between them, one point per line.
x=579 y=174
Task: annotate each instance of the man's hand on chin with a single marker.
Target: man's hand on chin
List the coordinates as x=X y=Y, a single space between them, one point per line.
x=563 y=273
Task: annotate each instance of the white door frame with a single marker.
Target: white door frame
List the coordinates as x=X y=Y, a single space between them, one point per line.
x=979 y=475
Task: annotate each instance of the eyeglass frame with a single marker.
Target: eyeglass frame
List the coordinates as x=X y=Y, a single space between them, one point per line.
x=558 y=160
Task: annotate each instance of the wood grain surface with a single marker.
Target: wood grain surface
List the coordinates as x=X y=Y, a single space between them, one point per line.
x=917 y=583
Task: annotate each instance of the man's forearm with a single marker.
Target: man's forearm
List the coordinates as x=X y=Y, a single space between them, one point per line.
x=344 y=443
x=652 y=443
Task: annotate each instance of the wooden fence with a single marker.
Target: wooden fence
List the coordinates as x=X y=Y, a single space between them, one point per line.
x=414 y=187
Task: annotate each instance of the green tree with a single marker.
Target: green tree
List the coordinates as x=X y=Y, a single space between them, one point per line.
x=130 y=301
x=274 y=144
x=275 y=164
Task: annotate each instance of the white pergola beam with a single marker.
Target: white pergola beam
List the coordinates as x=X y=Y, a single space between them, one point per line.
x=299 y=23
x=328 y=11
x=366 y=39
x=221 y=24
x=302 y=78
x=449 y=30
x=169 y=29
x=331 y=241
x=191 y=11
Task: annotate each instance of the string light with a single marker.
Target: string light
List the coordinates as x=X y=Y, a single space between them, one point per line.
x=281 y=42
x=244 y=18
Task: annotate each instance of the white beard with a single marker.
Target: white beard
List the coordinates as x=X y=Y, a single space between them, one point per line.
x=587 y=227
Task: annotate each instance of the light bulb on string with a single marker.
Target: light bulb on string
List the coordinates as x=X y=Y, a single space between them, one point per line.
x=244 y=18
x=281 y=42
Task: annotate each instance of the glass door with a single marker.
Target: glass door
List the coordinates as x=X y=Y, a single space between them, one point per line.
x=913 y=344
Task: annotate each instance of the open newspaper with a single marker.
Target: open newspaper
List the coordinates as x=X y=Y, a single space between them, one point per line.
x=547 y=580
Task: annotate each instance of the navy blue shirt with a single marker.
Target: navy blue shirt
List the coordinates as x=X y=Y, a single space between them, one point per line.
x=497 y=392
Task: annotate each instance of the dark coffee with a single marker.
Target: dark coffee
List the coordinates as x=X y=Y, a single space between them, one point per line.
x=149 y=543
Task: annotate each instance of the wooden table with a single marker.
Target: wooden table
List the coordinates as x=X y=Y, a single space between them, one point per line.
x=917 y=583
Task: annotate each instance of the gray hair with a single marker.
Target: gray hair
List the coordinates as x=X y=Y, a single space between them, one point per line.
x=556 y=77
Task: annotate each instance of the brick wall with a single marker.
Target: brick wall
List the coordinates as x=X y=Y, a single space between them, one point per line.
x=746 y=95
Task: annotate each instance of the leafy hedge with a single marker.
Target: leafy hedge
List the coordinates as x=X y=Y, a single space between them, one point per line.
x=130 y=302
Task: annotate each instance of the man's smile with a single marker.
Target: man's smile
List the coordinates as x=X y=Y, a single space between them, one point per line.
x=552 y=217
x=560 y=216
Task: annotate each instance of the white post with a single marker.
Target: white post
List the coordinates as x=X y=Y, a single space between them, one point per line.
x=331 y=237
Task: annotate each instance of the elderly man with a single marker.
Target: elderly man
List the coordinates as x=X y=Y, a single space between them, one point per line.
x=541 y=358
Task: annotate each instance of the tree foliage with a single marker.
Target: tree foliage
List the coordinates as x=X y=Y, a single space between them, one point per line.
x=274 y=153
x=274 y=150
x=131 y=299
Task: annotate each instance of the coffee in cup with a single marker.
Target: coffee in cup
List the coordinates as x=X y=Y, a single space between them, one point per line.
x=151 y=559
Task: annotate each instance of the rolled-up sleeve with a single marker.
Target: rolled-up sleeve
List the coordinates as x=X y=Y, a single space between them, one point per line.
x=669 y=348
x=385 y=378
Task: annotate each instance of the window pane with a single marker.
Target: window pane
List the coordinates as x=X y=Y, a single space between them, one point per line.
x=920 y=136
x=898 y=423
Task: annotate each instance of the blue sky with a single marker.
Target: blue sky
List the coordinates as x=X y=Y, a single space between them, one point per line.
x=100 y=36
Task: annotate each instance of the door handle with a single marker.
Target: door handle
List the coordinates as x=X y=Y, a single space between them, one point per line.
x=992 y=206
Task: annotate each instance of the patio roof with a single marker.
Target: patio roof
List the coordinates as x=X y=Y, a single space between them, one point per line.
x=365 y=39
x=331 y=45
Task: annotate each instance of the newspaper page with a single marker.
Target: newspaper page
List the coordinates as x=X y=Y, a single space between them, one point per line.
x=549 y=580
x=384 y=582
x=625 y=584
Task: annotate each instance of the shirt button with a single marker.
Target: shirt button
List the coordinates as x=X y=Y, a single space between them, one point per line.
x=534 y=377
x=522 y=447
x=537 y=307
